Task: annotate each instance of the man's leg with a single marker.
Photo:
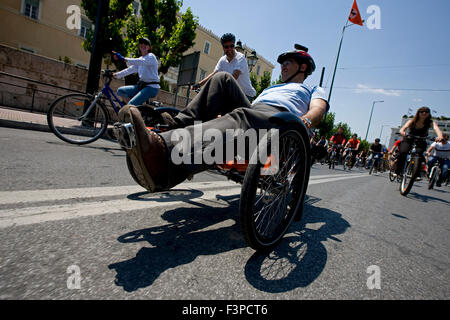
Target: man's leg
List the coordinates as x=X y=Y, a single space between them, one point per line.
x=220 y=95
x=256 y=117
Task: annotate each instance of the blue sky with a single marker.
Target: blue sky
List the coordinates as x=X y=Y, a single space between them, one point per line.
x=411 y=50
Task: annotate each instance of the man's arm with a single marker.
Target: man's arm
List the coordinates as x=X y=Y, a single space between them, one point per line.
x=431 y=148
x=201 y=83
x=317 y=109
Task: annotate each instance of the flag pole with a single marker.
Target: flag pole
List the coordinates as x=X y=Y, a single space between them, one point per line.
x=337 y=60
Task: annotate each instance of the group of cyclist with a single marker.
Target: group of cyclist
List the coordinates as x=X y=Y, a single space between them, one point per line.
x=234 y=63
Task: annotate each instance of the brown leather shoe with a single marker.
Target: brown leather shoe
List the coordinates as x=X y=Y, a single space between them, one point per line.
x=149 y=156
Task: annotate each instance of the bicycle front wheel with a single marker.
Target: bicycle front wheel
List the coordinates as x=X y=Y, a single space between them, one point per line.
x=409 y=176
x=270 y=203
x=435 y=172
x=69 y=121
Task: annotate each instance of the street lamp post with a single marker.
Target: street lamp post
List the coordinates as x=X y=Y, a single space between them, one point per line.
x=370 y=119
x=337 y=59
x=252 y=60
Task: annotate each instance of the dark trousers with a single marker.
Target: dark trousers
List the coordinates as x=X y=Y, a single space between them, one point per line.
x=404 y=147
x=222 y=96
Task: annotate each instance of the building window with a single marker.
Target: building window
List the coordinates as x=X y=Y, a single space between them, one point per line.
x=258 y=69
x=202 y=75
x=207 y=47
x=31 y=8
x=136 y=8
x=86 y=25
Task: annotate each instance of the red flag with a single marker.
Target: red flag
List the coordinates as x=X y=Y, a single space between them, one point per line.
x=355 y=16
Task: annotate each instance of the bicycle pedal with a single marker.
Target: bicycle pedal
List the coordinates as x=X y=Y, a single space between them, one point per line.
x=125 y=134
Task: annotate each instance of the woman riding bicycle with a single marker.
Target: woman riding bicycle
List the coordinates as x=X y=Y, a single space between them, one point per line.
x=147 y=68
x=419 y=127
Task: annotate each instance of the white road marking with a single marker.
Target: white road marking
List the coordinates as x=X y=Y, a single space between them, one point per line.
x=35 y=213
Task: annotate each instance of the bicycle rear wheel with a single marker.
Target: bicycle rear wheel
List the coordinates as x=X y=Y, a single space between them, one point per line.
x=68 y=122
x=409 y=176
x=270 y=203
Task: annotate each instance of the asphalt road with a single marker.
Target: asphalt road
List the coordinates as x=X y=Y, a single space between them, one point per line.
x=68 y=210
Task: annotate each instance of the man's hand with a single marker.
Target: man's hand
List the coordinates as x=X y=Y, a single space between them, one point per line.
x=236 y=74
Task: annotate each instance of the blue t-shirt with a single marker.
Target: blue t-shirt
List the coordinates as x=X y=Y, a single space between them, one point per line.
x=295 y=97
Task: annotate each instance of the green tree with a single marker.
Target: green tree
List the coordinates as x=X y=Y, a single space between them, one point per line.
x=364 y=145
x=113 y=23
x=325 y=128
x=262 y=84
x=170 y=32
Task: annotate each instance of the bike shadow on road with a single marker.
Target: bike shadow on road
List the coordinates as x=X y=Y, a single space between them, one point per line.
x=190 y=232
x=193 y=232
x=114 y=151
x=301 y=257
x=425 y=198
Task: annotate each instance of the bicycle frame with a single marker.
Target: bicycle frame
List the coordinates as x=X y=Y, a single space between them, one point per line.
x=109 y=93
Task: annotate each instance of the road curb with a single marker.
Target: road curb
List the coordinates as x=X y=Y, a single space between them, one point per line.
x=24 y=125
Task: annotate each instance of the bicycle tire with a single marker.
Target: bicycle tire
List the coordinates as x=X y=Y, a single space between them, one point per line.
x=435 y=173
x=63 y=118
x=409 y=176
x=391 y=175
x=264 y=225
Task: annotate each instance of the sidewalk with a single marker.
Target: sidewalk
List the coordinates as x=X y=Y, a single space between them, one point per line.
x=21 y=119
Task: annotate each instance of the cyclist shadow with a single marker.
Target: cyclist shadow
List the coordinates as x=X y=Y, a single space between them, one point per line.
x=190 y=233
x=301 y=257
x=424 y=198
x=180 y=241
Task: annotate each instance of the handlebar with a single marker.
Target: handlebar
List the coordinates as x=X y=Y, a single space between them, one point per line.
x=108 y=75
x=416 y=137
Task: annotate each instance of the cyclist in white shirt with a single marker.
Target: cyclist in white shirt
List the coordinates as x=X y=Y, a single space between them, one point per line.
x=147 y=68
x=441 y=154
x=234 y=63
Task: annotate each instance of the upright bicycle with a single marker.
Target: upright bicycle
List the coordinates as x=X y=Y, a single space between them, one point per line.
x=413 y=165
x=376 y=163
x=349 y=159
x=83 y=118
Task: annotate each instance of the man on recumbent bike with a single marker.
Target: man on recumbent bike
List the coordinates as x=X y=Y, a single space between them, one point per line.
x=150 y=152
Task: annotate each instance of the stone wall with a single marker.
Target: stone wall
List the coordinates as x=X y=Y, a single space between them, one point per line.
x=24 y=94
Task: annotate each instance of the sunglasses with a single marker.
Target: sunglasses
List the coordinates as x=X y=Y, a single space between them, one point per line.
x=424 y=111
x=230 y=46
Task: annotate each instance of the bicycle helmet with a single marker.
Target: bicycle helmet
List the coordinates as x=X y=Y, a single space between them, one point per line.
x=227 y=37
x=301 y=56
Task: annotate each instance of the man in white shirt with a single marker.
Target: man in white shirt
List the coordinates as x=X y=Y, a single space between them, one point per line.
x=441 y=154
x=234 y=63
